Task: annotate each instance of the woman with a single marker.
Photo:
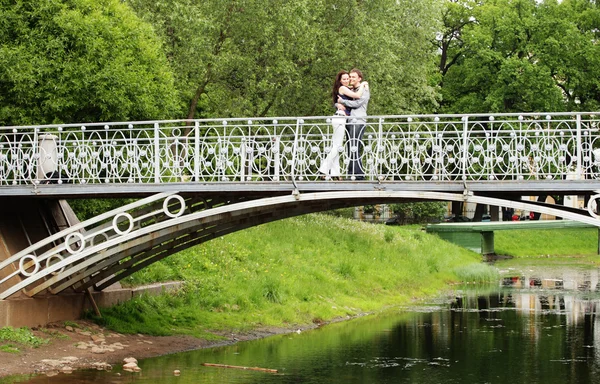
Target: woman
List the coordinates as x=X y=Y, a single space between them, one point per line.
x=330 y=167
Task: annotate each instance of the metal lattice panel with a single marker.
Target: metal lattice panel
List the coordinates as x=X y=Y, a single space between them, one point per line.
x=440 y=148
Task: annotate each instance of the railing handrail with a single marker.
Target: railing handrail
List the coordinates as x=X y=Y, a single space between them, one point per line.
x=541 y=115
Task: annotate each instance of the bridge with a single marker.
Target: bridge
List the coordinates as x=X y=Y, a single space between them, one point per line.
x=195 y=180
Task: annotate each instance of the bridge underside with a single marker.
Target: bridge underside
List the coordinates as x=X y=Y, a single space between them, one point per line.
x=46 y=251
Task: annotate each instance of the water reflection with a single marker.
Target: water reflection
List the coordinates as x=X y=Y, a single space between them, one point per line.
x=567 y=279
x=538 y=327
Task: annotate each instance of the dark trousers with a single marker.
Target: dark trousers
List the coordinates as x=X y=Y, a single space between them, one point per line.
x=354 y=145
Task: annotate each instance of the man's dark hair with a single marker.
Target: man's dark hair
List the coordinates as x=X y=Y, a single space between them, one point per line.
x=358 y=72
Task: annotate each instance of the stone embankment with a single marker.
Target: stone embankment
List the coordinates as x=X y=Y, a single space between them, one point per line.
x=97 y=343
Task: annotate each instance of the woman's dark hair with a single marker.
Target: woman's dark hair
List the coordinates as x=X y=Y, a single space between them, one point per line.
x=336 y=85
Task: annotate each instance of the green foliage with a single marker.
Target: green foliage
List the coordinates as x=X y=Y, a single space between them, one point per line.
x=71 y=324
x=272 y=291
x=347 y=213
x=291 y=272
x=79 y=61
x=9 y=348
x=388 y=236
x=54 y=334
x=346 y=269
x=21 y=336
x=89 y=208
x=419 y=212
x=520 y=56
x=279 y=58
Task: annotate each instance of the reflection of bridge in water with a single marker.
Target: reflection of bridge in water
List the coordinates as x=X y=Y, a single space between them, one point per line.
x=574 y=293
x=205 y=178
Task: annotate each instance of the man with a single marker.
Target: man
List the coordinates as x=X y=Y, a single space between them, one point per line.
x=356 y=128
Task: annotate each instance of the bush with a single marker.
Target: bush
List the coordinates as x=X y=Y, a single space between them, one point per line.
x=419 y=212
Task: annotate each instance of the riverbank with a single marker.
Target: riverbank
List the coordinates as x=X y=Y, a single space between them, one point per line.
x=86 y=346
x=82 y=344
x=293 y=274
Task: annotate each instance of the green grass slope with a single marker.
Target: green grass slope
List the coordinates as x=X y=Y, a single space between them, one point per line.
x=553 y=242
x=296 y=271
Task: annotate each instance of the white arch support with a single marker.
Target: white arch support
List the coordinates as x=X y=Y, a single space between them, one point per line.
x=80 y=257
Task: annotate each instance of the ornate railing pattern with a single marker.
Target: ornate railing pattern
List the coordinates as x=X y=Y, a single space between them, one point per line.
x=423 y=147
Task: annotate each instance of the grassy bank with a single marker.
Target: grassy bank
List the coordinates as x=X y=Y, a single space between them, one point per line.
x=548 y=242
x=296 y=271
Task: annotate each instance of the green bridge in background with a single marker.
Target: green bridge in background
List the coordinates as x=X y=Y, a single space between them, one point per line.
x=479 y=236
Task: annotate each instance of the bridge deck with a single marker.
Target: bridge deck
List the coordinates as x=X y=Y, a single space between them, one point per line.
x=274 y=188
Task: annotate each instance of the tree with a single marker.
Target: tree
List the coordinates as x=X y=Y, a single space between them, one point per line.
x=278 y=58
x=80 y=61
x=456 y=16
x=520 y=56
x=571 y=50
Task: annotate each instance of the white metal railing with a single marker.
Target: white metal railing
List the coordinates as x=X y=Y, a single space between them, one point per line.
x=419 y=147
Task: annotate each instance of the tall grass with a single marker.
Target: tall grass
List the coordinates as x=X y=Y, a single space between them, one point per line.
x=295 y=271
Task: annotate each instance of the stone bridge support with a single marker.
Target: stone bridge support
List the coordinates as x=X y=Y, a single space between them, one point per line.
x=25 y=221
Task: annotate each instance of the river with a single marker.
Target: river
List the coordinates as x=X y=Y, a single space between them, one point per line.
x=537 y=325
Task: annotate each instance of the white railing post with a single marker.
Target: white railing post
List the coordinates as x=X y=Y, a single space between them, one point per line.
x=379 y=149
x=34 y=160
x=579 y=169
x=490 y=149
x=276 y=151
x=156 y=154
x=250 y=152
x=295 y=149
x=436 y=147
x=465 y=147
x=243 y=157
x=196 y=151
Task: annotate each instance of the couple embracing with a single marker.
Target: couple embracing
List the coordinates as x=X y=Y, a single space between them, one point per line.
x=350 y=97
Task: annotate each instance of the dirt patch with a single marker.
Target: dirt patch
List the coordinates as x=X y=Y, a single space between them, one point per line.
x=83 y=345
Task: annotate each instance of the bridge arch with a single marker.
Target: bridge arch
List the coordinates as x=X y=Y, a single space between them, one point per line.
x=103 y=250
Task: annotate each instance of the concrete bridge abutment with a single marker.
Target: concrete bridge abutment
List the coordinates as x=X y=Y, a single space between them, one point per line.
x=25 y=221
x=40 y=311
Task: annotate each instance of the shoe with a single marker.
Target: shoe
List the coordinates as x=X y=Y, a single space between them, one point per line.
x=359 y=178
